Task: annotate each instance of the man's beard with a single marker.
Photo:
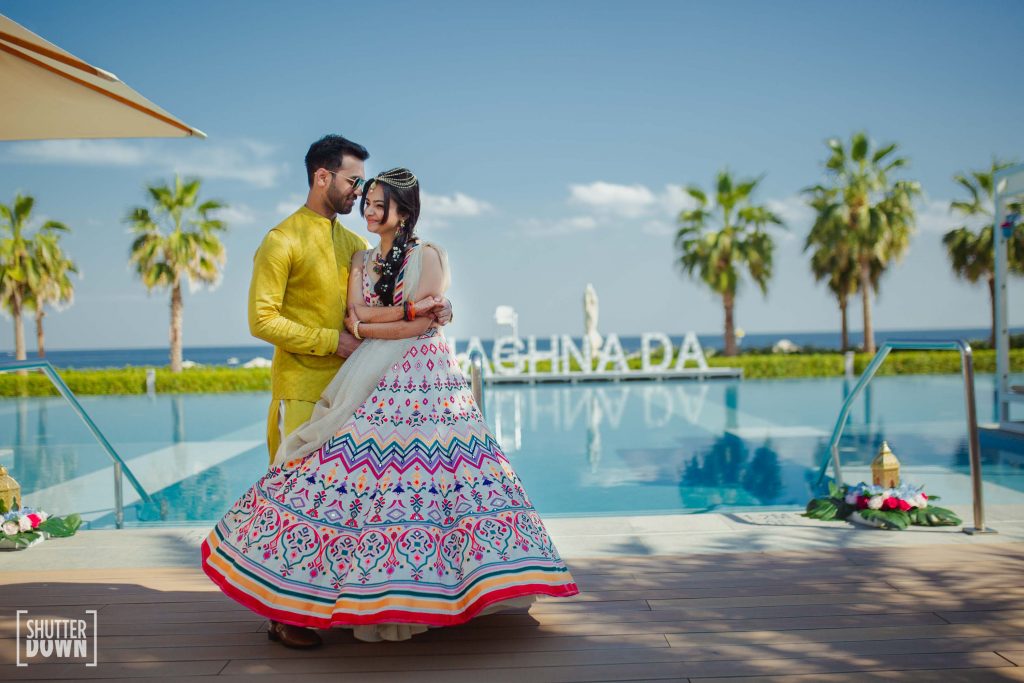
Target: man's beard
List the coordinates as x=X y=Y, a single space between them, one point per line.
x=338 y=202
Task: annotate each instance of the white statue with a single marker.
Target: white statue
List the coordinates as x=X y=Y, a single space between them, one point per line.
x=591 y=336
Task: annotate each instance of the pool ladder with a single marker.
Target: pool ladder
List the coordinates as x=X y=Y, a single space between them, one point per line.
x=121 y=469
x=973 y=445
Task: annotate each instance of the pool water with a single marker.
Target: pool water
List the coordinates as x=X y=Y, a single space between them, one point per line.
x=583 y=449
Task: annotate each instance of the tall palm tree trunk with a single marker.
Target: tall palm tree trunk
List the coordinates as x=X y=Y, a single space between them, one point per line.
x=992 y=308
x=865 y=293
x=40 y=336
x=845 y=338
x=729 y=301
x=19 y=329
x=176 y=306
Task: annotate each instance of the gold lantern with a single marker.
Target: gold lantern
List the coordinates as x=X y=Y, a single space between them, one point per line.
x=885 y=468
x=10 y=491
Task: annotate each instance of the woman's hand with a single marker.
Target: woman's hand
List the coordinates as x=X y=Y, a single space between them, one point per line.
x=351 y=320
x=427 y=306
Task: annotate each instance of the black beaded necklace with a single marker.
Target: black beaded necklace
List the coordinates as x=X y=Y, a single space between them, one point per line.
x=381 y=265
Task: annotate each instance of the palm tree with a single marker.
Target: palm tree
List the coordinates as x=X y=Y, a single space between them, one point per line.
x=55 y=286
x=833 y=256
x=177 y=240
x=717 y=255
x=20 y=272
x=878 y=215
x=972 y=254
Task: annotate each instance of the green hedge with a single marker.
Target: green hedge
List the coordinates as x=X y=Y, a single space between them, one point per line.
x=217 y=380
x=777 y=366
x=831 y=364
x=133 y=381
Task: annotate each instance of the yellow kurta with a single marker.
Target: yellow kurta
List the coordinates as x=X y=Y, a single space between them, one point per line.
x=297 y=300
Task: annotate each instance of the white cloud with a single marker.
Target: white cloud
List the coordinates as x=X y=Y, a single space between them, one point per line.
x=246 y=161
x=242 y=163
x=793 y=211
x=615 y=206
x=659 y=228
x=634 y=208
x=934 y=217
x=455 y=206
x=626 y=200
x=237 y=214
x=288 y=206
x=673 y=199
x=795 y=214
x=561 y=226
x=87 y=152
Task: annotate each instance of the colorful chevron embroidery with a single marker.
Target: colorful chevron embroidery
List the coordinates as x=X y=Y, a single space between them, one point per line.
x=409 y=513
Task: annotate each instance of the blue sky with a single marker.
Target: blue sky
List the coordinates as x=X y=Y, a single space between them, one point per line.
x=551 y=140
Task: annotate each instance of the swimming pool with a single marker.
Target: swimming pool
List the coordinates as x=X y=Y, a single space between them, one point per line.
x=588 y=449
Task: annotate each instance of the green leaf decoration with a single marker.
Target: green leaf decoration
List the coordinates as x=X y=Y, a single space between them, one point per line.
x=61 y=527
x=821 y=508
x=941 y=516
x=25 y=538
x=835 y=507
x=890 y=519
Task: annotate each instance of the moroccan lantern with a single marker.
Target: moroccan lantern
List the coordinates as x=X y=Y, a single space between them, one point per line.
x=885 y=468
x=10 y=491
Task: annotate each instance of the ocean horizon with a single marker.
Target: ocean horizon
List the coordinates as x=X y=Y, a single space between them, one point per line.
x=232 y=356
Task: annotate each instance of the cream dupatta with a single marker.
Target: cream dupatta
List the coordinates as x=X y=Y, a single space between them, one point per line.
x=358 y=375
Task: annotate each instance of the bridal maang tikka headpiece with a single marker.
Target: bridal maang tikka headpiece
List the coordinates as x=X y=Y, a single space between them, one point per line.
x=401 y=178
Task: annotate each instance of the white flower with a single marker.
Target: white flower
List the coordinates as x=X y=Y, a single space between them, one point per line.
x=851 y=497
x=920 y=501
x=875 y=503
x=43 y=516
x=24 y=523
x=11 y=527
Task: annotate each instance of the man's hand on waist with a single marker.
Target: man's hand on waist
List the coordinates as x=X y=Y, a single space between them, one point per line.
x=443 y=312
x=347 y=344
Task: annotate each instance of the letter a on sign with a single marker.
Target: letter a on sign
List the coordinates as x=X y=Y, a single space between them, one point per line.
x=691 y=350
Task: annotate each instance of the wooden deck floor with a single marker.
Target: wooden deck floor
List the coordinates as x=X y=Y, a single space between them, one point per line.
x=933 y=613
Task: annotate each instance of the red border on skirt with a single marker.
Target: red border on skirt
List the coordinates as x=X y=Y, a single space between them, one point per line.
x=387 y=616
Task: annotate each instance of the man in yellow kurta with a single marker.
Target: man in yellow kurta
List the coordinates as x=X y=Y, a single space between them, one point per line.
x=299 y=286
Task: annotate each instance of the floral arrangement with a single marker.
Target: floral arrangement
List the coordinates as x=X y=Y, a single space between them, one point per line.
x=24 y=526
x=886 y=508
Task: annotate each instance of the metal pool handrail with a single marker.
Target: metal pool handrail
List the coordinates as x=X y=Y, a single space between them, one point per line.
x=476 y=381
x=973 y=445
x=119 y=465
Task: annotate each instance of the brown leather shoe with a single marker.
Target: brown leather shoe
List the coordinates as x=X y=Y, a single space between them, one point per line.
x=293 y=636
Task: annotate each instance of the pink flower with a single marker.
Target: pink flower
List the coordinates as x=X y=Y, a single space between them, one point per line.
x=35 y=519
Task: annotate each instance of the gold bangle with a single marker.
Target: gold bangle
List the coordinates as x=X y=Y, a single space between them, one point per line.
x=355 y=330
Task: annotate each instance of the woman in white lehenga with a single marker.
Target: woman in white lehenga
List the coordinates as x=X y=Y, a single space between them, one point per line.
x=393 y=509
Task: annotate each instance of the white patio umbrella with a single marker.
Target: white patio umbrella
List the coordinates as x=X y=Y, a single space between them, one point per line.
x=49 y=93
